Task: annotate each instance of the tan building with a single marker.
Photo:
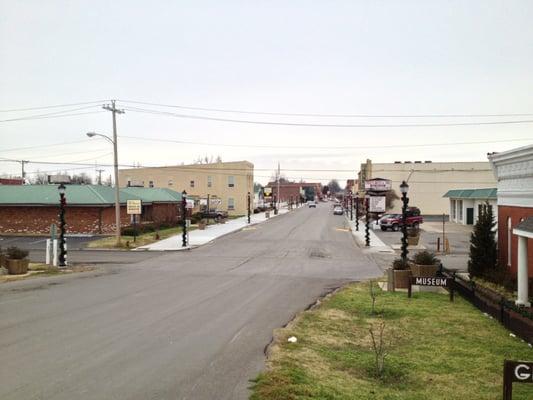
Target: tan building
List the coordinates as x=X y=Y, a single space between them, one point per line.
x=430 y=181
x=227 y=182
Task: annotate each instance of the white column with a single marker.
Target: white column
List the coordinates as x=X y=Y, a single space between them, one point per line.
x=522 y=273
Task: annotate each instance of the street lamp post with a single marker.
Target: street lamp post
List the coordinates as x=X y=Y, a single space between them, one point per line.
x=249 y=209
x=62 y=225
x=357 y=214
x=115 y=167
x=367 y=220
x=351 y=206
x=184 y=218
x=404 y=188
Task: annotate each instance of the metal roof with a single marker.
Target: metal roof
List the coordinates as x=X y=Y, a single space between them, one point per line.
x=526 y=225
x=82 y=195
x=153 y=195
x=490 y=193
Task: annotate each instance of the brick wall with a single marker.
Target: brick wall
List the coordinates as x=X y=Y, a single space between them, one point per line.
x=516 y=214
x=37 y=220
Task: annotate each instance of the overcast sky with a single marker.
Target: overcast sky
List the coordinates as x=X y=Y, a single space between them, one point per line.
x=329 y=57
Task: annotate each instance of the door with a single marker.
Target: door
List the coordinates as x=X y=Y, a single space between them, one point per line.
x=470 y=216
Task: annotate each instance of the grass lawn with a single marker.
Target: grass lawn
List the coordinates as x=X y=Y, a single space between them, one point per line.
x=142 y=240
x=437 y=350
x=39 y=270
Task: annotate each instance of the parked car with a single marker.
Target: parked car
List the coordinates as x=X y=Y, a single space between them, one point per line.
x=394 y=221
x=337 y=210
x=311 y=204
x=214 y=214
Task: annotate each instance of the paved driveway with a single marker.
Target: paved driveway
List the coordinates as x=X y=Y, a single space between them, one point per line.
x=184 y=325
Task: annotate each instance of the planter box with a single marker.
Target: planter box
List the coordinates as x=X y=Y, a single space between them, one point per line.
x=401 y=278
x=17 y=267
x=424 y=271
x=413 y=240
x=202 y=225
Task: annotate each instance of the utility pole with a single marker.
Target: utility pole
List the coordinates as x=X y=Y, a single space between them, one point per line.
x=23 y=174
x=100 y=175
x=114 y=113
x=279 y=196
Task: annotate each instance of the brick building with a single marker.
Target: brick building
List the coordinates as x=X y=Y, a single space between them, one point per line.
x=90 y=208
x=11 y=181
x=294 y=189
x=514 y=172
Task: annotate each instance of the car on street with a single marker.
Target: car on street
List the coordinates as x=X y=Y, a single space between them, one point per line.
x=394 y=221
x=311 y=204
x=337 y=210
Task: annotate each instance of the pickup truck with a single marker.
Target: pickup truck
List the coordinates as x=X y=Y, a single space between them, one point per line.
x=214 y=214
x=394 y=221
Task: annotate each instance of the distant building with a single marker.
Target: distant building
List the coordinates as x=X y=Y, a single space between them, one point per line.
x=227 y=182
x=429 y=180
x=514 y=172
x=11 y=181
x=465 y=204
x=31 y=209
x=294 y=190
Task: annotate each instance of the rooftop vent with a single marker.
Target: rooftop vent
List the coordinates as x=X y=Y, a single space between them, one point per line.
x=418 y=162
x=428 y=161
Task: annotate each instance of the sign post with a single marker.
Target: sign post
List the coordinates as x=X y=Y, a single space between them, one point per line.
x=434 y=281
x=515 y=371
x=134 y=208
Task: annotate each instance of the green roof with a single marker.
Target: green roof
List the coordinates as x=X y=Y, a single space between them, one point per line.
x=81 y=195
x=151 y=195
x=490 y=193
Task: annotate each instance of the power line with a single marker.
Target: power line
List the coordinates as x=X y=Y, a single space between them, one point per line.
x=53 y=106
x=329 y=115
x=45 y=145
x=277 y=123
x=56 y=114
x=260 y=146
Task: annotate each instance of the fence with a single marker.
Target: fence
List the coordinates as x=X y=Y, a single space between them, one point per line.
x=518 y=320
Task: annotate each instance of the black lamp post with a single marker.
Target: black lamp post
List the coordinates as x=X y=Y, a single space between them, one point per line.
x=184 y=218
x=276 y=204
x=351 y=206
x=367 y=220
x=357 y=213
x=249 y=209
x=404 y=188
x=62 y=225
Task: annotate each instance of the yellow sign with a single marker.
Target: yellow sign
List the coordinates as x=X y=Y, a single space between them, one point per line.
x=134 y=207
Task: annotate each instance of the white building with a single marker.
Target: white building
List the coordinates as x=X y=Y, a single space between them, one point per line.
x=465 y=204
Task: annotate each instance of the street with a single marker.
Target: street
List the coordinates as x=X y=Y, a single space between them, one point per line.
x=180 y=325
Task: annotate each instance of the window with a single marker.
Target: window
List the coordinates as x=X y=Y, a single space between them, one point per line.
x=209 y=181
x=231 y=203
x=170 y=183
x=151 y=183
x=192 y=183
x=452 y=209
x=460 y=210
x=509 y=240
x=231 y=181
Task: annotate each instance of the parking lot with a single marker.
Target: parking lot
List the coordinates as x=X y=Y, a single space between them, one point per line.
x=39 y=242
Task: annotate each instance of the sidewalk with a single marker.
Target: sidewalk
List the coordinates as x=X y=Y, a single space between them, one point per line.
x=199 y=237
x=376 y=244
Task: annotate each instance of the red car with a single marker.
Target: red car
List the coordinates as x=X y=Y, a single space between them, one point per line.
x=394 y=221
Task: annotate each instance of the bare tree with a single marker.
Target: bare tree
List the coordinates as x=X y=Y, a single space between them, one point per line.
x=380 y=345
x=81 y=179
x=39 y=178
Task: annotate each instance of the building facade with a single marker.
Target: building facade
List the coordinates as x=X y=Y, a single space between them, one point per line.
x=294 y=190
x=514 y=172
x=227 y=182
x=429 y=180
x=32 y=209
x=466 y=204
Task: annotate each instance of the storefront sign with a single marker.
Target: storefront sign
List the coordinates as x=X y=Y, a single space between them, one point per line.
x=134 y=207
x=378 y=185
x=377 y=204
x=515 y=371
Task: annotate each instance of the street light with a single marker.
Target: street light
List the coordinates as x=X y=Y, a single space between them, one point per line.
x=184 y=219
x=117 y=190
x=249 y=206
x=62 y=248
x=404 y=188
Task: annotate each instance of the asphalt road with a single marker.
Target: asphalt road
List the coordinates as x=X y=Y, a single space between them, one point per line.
x=183 y=325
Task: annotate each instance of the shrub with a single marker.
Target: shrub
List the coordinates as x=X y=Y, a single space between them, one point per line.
x=400 y=264
x=14 y=253
x=483 y=260
x=196 y=217
x=425 y=258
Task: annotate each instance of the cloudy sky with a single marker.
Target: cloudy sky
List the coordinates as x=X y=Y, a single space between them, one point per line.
x=352 y=58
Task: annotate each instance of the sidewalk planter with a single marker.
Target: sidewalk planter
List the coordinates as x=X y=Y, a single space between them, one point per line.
x=413 y=236
x=424 y=271
x=425 y=264
x=401 y=274
x=202 y=224
x=16 y=261
x=17 y=267
x=401 y=278
x=267 y=214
